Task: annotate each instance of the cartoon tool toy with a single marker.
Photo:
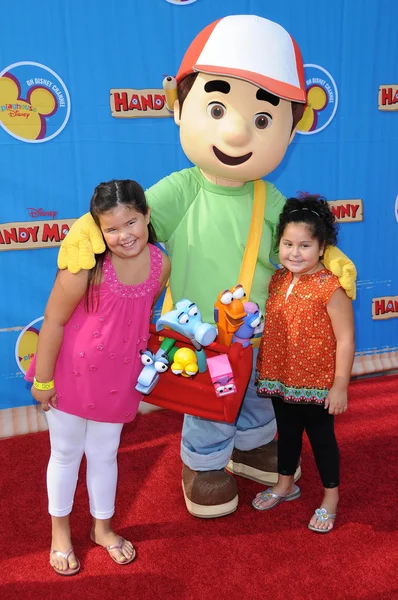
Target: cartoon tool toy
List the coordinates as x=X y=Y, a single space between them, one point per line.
x=185 y=363
x=229 y=313
x=154 y=364
x=187 y=320
x=221 y=374
x=250 y=322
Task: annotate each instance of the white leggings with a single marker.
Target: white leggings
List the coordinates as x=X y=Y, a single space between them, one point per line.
x=70 y=438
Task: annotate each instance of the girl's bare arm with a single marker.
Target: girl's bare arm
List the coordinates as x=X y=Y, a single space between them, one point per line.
x=342 y=318
x=66 y=294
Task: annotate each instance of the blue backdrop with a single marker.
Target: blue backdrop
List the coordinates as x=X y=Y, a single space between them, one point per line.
x=93 y=46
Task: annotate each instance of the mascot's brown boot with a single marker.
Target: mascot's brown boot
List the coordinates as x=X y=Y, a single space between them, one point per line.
x=209 y=494
x=260 y=464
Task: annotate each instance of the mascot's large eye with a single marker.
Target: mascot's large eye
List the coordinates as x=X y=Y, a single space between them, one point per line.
x=220 y=389
x=262 y=120
x=193 y=311
x=183 y=319
x=226 y=298
x=216 y=110
x=230 y=387
x=239 y=293
x=160 y=366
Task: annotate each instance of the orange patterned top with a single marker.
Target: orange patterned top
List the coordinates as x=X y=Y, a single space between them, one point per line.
x=297 y=353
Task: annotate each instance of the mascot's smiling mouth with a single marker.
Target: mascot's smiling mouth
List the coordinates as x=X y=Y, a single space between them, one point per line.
x=231 y=160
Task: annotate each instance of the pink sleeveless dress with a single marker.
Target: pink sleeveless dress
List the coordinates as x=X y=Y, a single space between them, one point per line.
x=99 y=361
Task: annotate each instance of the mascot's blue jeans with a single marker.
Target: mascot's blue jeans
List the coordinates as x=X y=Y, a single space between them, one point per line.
x=208 y=445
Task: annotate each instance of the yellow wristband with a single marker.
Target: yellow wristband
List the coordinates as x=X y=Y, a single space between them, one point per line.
x=43 y=386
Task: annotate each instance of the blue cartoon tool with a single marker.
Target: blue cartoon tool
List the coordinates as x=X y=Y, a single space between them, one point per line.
x=187 y=320
x=154 y=364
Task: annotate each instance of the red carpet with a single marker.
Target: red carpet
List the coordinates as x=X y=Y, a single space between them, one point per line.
x=248 y=555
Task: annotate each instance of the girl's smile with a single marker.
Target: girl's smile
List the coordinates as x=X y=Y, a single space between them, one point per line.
x=129 y=244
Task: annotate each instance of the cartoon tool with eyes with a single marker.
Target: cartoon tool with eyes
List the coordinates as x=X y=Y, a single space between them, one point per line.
x=154 y=364
x=239 y=95
x=250 y=322
x=185 y=363
x=221 y=374
x=187 y=320
x=229 y=313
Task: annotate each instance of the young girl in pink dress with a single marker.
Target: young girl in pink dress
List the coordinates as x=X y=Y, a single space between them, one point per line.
x=87 y=364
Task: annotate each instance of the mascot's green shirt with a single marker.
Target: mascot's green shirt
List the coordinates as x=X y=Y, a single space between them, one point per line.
x=205 y=227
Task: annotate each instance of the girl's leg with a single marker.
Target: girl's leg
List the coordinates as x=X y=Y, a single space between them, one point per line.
x=290 y=432
x=320 y=431
x=67 y=445
x=102 y=444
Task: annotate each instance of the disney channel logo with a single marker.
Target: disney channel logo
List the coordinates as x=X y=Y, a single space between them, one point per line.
x=34 y=102
x=39 y=212
x=322 y=100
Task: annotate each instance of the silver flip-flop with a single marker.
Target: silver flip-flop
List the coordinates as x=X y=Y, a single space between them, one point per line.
x=322 y=515
x=270 y=494
x=69 y=570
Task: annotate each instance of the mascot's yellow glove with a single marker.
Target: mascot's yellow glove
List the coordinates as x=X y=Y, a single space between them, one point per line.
x=341 y=266
x=79 y=246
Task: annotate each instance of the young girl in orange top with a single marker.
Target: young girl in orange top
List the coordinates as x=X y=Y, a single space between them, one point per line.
x=306 y=354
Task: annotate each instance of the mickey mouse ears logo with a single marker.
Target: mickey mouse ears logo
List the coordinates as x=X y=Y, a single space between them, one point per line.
x=34 y=102
x=322 y=100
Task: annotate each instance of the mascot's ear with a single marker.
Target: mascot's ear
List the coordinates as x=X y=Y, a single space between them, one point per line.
x=177 y=119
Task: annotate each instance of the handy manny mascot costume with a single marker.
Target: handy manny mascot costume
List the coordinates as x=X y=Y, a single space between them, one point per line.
x=241 y=93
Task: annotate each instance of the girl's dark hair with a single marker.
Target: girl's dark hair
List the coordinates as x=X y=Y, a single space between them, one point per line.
x=107 y=196
x=185 y=85
x=315 y=212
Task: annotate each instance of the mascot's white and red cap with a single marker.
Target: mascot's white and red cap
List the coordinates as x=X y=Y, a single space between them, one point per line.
x=250 y=48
